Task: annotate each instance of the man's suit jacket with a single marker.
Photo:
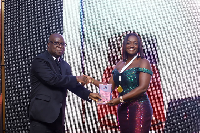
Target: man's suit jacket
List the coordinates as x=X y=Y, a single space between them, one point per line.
x=49 y=88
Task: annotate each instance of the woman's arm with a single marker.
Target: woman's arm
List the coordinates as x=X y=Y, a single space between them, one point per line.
x=111 y=81
x=96 y=82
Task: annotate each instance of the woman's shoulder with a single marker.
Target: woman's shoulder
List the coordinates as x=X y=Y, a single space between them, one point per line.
x=119 y=64
x=143 y=60
x=144 y=63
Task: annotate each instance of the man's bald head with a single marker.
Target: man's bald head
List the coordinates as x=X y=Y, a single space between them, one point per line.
x=55 y=35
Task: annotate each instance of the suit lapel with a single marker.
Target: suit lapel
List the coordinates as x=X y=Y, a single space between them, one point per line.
x=52 y=61
x=62 y=66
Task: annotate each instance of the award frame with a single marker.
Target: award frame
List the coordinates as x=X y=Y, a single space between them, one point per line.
x=105 y=91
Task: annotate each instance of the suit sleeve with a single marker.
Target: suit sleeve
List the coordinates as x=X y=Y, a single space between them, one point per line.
x=43 y=71
x=79 y=90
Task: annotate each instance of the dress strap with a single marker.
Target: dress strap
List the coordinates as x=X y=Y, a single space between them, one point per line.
x=145 y=71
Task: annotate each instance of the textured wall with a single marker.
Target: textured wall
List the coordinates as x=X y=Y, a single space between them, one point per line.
x=28 y=24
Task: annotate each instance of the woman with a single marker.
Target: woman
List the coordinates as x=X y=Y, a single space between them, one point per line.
x=132 y=80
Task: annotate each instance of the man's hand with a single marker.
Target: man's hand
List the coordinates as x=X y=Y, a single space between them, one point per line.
x=82 y=79
x=88 y=78
x=94 y=96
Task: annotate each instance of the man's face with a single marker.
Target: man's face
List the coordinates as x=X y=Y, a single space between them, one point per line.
x=56 y=46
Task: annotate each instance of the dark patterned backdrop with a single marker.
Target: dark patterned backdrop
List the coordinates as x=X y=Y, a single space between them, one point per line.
x=28 y=24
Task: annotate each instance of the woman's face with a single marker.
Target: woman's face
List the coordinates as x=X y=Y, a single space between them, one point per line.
x=132 y=45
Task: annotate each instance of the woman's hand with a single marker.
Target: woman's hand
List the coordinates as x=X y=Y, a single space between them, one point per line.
x=113 y=102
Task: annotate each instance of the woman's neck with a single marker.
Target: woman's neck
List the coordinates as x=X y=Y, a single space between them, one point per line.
x=130 y=57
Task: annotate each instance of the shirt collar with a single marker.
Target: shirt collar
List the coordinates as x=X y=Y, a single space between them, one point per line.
x=55 y=58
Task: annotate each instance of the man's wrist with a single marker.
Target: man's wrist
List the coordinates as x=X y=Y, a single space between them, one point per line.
x=77 y=78
x=89 y=97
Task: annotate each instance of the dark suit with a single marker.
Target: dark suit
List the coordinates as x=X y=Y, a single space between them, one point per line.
x=49 y=89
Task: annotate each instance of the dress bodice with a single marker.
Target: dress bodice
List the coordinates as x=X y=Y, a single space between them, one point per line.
x=129 y=78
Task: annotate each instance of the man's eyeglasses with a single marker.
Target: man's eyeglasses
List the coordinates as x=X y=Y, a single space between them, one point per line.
x=58 y=44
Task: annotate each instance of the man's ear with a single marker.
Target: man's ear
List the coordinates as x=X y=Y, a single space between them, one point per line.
x=47 y=45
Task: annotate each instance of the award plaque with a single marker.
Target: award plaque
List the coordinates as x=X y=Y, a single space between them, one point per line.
x=105 y=93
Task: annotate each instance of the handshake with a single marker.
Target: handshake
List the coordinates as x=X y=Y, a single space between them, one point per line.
x=84 y=79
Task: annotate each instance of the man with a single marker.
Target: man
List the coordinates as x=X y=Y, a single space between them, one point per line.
x=50 y=78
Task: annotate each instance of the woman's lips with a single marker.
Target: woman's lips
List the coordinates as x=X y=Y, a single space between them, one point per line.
x=131 y=49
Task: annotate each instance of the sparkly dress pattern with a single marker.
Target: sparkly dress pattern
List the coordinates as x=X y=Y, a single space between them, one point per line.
x=134 y=116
